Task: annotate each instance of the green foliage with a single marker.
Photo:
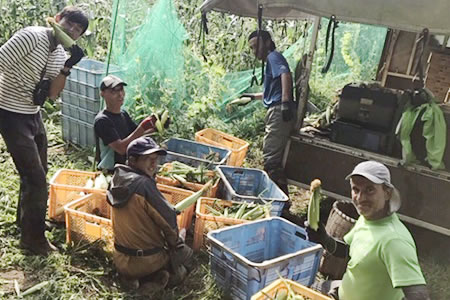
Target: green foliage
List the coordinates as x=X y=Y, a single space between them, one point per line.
x=18 y=14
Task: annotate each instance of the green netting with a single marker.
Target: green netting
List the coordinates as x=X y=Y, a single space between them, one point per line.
x=148 y=48
x=162 y=71
x=357 y=52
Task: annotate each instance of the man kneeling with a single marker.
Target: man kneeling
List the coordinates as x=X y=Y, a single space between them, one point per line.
x=149 y=253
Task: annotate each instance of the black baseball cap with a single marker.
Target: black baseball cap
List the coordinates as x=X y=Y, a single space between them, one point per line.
x=143 y=146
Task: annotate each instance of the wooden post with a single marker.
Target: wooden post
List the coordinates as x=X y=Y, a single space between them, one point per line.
x=387 y=64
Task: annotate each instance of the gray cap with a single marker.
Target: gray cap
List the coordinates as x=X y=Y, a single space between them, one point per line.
x=111 y=81
x=378 y=174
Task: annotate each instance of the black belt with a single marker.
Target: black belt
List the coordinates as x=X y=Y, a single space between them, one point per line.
x=293 y=103
x=137 y=252
x=274 y=104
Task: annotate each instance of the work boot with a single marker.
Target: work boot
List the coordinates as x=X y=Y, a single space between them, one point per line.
x=158 y=283
x=128 y=283
x=178 y=276
x=39 y=247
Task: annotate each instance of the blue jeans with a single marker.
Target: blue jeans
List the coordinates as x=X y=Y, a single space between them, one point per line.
x=26 y=140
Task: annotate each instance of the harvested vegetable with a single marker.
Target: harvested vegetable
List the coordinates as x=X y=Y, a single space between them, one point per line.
x=314 y=204
x=184 y=173
x=100 y=182
x=243 y=211
x=60 y=34
x=182 y=205
x=241 y=101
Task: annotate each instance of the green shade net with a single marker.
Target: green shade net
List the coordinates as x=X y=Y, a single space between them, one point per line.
x=150 y=50
x=358 y=49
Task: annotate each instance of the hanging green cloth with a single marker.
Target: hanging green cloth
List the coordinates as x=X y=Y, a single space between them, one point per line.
x=434 y=131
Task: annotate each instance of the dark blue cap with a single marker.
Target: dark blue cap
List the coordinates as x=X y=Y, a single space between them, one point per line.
x=143 y=146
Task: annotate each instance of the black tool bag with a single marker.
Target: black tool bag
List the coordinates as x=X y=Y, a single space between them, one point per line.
x=41 y=92
x=370 y=106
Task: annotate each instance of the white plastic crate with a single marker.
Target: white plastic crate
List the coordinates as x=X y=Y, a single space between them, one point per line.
x=245 y=258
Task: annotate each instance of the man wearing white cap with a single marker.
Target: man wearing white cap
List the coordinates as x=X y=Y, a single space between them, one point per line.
x=114 y=126
x=383 y=258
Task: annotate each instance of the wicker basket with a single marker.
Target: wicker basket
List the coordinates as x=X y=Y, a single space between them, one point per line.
x=269 y=291
x=212 y=192
x=215 y=137
x=342 y=218
x=65 y=186
x=89 y=219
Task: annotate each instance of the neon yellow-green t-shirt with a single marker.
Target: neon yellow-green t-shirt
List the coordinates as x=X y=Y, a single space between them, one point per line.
x=383 y=258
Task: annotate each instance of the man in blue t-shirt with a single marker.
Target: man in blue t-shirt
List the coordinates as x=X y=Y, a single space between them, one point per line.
x=277 y=98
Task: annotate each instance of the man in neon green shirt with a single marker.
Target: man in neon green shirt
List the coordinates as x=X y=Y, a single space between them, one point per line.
x=383 y=259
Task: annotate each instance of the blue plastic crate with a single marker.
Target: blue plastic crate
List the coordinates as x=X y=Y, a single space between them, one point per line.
x=86 y=76
x=78 y=113
x=89 y=104
x=91 y=72
x=194 y=153
x=245 y=258
x=77 y=132
x=251 y=185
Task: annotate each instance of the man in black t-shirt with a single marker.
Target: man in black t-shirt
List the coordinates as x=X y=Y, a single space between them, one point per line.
x=114 y=126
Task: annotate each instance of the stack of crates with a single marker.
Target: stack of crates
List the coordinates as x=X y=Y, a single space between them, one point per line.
x=81 y=101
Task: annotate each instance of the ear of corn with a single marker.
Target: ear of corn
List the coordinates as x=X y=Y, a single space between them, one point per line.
x=164 y=117
x=60 y=34
x=158 y=124
x=182 y=205
x=314 y=204
x=241 y=101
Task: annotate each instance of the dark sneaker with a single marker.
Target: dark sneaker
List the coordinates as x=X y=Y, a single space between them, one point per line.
x=43 y=247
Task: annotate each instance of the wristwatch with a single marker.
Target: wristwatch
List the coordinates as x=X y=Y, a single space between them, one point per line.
x=65 y=73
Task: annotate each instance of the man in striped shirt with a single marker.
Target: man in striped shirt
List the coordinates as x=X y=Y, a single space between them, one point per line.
x=28 y=57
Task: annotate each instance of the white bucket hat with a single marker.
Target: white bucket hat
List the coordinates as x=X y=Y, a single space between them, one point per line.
x=378 y=174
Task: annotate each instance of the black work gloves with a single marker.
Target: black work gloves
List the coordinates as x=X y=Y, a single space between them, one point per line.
x=286 y=111
x=76 y=55
x=318 y=236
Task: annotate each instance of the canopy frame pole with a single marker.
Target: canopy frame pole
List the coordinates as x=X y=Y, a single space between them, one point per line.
x=302 y=102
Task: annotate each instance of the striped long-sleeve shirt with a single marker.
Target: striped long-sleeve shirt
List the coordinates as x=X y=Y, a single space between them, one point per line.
x=22 y=60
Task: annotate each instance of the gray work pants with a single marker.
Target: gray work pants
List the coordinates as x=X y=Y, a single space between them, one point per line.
x=276 y=136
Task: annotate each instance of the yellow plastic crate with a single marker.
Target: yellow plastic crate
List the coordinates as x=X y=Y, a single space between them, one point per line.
x=175 y=195
x=296 y=287
x=215 y=137
x=205 y=221
x=65 y=186
x=212 y=192
x=89 y=219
